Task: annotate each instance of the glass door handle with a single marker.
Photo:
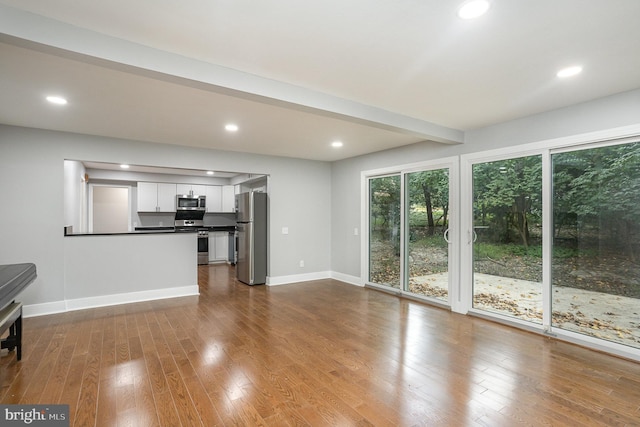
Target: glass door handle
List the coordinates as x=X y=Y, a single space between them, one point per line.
x=473 y=236
x=446 y=235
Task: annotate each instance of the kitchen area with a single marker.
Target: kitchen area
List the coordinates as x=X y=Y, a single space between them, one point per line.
x=207 y=210
x=147 y=220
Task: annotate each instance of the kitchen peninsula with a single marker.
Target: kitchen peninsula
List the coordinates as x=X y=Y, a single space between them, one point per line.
x=119 y=268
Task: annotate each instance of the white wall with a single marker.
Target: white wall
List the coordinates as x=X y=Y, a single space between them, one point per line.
x=31 y=226
x=606 y=113
x=73 y=193
x=32 y=174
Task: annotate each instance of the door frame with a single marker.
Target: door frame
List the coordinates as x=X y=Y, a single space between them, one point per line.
x=451 y=163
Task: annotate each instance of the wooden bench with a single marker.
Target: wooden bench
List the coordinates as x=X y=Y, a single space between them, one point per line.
x=11 y=318
x=14 y=278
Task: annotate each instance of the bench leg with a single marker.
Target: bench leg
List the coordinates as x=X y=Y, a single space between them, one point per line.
x=18 y=332
x=14 y=340
x=12 y=333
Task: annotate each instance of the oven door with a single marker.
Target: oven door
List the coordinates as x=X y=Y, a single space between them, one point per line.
x=203 y=247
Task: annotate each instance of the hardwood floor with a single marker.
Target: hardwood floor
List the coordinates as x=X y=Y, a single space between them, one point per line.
x=320 y=353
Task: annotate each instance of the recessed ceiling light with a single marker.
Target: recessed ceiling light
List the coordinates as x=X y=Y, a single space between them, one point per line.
x=124 y=166
x=57 y=100
x=337 y=144
x=231 y=127
x=569 y=71
x=210 y=172
x=473 y=9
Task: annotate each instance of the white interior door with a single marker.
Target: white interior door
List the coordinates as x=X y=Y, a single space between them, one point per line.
x=110 y=211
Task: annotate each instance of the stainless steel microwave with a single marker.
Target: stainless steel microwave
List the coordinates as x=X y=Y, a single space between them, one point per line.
x=185 y=202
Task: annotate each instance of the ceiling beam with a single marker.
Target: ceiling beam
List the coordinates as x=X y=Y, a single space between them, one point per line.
x=54 y=37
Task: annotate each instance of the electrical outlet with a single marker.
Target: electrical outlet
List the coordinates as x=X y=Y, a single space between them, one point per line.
x=285 y=230
x=301 y=263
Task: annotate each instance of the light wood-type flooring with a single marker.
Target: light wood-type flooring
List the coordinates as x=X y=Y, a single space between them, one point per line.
x=319 y=353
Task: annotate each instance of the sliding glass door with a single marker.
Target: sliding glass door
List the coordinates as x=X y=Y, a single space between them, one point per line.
x=410 y=236
x=427 y=228
x=553 y=241
x=384 y=230
x=596 y=242
x=507 y=237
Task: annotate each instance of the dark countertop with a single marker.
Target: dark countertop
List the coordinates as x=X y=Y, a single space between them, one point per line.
x=124 y=233
x=229 y=228
x=155 y=228
x=161 y=230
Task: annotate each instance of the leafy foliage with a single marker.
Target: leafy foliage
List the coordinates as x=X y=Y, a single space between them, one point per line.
x=597 y=196
x=430 y=190
x=384 y=208
x=507 y=197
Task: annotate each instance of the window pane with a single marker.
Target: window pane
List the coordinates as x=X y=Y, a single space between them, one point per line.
x=427 y=220
x=384 y=230
x=595 y=262
x=507 y=250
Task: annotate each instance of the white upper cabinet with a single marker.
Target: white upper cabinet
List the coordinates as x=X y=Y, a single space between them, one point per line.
x=161 y=197
x=228 y=198
x=156 y=197
x=147 y=197
x=220 y=198
x=192 y=189
x=167 y=197
x=183 y=189
x=199 y=190
x=214 y=198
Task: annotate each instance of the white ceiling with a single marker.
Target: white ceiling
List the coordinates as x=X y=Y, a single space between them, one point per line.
x=297 y=75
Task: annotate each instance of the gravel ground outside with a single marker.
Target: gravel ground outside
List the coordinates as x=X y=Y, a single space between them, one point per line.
x=611 y=317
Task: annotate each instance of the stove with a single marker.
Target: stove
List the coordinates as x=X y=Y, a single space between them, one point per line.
x=190 y=221
x=188 y=225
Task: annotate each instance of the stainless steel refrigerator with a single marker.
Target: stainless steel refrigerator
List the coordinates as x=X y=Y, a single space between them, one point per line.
x=251 y=210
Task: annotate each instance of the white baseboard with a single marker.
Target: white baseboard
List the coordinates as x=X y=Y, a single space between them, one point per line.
x=352 y=280
x=295 y=278
x=34 y=310
x=107 y=300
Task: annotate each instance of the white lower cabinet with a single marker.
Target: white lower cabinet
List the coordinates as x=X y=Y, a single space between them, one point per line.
x=218 y=246
x=222 y=245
